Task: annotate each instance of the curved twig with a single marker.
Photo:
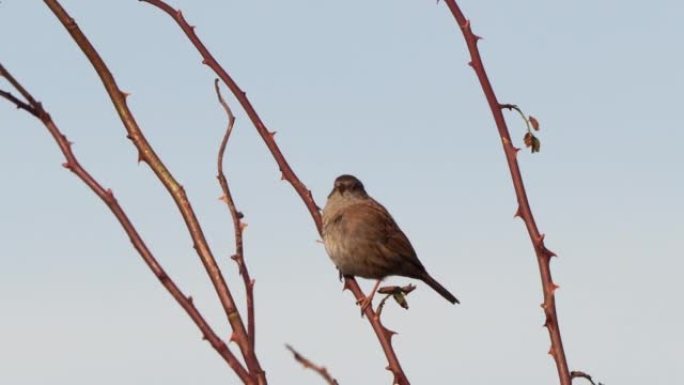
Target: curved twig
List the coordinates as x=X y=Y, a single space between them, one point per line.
x=578 y=374
x=524 y=211
x=384 y=335
x=307 y=364
x=238 y=225
x=107 y=196
x=175 y=189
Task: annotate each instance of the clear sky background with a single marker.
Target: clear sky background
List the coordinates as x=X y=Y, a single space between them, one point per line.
x=379 y=89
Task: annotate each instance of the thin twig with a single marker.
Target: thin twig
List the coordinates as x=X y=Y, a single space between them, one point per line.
x=307 y=364
x=578 y=374
x=17 y=86
x=238 y=225
x=524 y=211
x=175 y=189
x=17 y=102
x=384 y=335
x=107 y=196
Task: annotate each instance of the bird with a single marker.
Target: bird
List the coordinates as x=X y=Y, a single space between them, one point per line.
x=363 y=240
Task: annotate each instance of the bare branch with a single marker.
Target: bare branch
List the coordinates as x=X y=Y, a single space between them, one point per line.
x=175 y=189
x=237 y=216
x=107 y=196
x=524 y=211
x=306 y=363
x=17 y=86
x=384 y=335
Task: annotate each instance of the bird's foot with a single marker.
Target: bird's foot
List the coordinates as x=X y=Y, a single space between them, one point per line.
x=365 y=302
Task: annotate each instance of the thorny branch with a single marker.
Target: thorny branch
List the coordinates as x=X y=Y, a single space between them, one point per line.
x=307 y=364
x=175 y=189
x=237 y=216
x=107 y=196
x=524 y=210
x=384 y=335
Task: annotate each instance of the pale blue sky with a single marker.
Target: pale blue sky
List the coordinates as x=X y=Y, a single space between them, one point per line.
x=379 y=89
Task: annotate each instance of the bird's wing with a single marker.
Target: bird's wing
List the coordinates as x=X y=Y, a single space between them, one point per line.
x=379 y=226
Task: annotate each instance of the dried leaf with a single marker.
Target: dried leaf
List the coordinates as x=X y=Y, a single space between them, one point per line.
x=534 y=122
x=401 y=299
x=389 y=289
x=536 y=144
x=532 y=142
x=527 y=139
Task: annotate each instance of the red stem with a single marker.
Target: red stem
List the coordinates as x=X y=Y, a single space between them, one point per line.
x=308 y=364
x=175 y=189
x=238 y=226
x=383 y=334
x=107 y=196
x=524 y=211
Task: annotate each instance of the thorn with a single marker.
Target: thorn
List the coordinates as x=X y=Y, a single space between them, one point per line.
x=243 y=225
x=223 y=198
x=129 y=137
x=470 y=63
x=192 y=28
x=233 y=337
x=554 y=287
x=388 y=333
x=549 y=253
x=240 y=215
x=110 y=195
x=518 y=213
x=190 y=299
x=282 y=176
x=68 y=166
x=272 y=133
x=540 y=238
x=319 y=241
x=234 y=257
x=141 y=158
x=204 y=337
x=204 y=61
x=551 y=351
x=124 y=94
x=179 y=13
x=477 y=38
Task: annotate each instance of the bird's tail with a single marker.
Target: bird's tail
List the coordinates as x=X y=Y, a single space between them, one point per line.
x=425 y=277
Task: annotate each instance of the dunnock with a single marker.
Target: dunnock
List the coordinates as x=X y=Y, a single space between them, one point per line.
x=363 y=239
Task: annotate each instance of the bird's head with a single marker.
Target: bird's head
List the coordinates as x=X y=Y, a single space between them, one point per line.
x=348 y=185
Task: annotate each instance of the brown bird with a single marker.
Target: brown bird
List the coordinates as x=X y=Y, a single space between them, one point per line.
x=363 y=239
